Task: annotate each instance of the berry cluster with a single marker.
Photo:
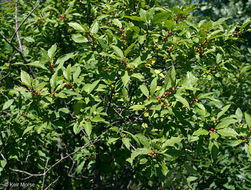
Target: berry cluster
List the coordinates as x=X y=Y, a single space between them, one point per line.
x=179 y=17
x=201 y=48
x=130 y=11
x=212 y=130
x=34 y=92
x=170 y=50
x=52 y=93
x=62 y=17
x=195 y=100
x=169 y=33
x=237 y=34
x=161 y=100
x=69 y=85
x=152 y=154
x=51 y=68
x=123 y=36
x=244 y=138
x=90 y=37
x=127 y=67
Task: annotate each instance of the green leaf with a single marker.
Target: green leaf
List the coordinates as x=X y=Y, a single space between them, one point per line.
x=164 y=168
x=94 y=27
x=188 y=34
x=52 y=50
x=182 y=100
x=125 y=78
x=88 y=128
x=245 y=24
x=226 y=122
x=138 y=76
x=137 y=152
x=201 y=110
x=3 y=163
x=236 y=142
x=76 y=26
x=78 y=38
x=227 y=132
x=200 y=131
x=143 y=14
x=90 y=87
x=223 y=110
x=160 y=17
x=7 y=104
x=42 y=154
x=77 y=106
x=190 y=81
x=76 y=74
x=111 y=140
x=64 y=110
x=25 y=78
x=143 y=140
x=218 y=58
x=80 y=167
x=126 y=142
x=64 y=58
x=171 y=142
x=118 y=51
x=129 y=49
x=29 y=128
x=191 y=179
x=144 y=90
x=136 y=18
x=248 y=119
x=53 y=81
x=98 y=119
x=117 y=23
x=137 y=107
x=37 y=64
x=169 y=24
x=238 y=114
x=68 y=72
x=173 y=76
x=153 y=86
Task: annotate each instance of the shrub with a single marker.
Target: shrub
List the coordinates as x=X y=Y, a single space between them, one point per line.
x=123 y=94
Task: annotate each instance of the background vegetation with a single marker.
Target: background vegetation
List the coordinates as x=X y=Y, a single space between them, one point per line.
x=119 y=94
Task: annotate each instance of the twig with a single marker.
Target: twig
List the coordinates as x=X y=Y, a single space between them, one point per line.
x=12 y=37
x=44 y=175
x=10 y=43
x=52 y=183
x=3 y=157
x=27 y=173
x=55 y=164
x=16 y=18
x=20 y=52
x=88 y=137
x=5 y=76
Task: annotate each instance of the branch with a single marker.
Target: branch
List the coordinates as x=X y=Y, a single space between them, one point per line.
x=12 y=37
x=52 y=183
x=20 y=52
x=27 y=173
x=16 y=18
x=44 y=175
x=10 y=43
x=58 y=162
x=5 y=76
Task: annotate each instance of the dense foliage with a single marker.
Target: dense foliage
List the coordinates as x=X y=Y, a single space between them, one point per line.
x=123 y=95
